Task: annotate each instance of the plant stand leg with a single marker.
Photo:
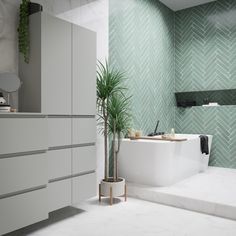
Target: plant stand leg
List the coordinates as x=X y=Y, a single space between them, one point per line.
x=99 y=192
x=125 y=193
x=111 y=198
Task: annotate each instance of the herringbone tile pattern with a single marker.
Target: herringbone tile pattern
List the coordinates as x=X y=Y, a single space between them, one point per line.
x=141 y=44
x=205 y=59
x=205 y=44
x=196 y=51
x=217 y=121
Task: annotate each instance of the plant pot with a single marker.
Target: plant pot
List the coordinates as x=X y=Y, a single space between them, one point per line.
x=112 y=189
x=34 y=8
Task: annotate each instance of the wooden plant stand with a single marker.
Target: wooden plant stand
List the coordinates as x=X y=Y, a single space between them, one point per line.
x=111 y=194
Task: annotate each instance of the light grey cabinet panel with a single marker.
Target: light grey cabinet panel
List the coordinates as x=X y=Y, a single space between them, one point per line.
x=84 y=71
x=22 y=172
x=83 y=159
x=22 y=210
x=83 y=130
x=83 y=187
x=59 y=194
x=56 y=65
x=47 y=79
x=59 y=163
x=59 y=131
x=23 y=135
x=30 y=73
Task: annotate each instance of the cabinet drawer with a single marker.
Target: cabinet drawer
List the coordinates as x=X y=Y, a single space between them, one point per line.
x=83 y=159
x=84 y=130
x=23 y=135
x=83 y=187
x=59 y=163
x=22 y=172
x=59 y=194
x=23 y=210
x=59 y=131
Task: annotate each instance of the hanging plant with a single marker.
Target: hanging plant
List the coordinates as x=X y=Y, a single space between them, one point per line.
x=23 y=30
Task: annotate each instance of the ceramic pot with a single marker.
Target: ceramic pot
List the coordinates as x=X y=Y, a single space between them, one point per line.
x=117 y=188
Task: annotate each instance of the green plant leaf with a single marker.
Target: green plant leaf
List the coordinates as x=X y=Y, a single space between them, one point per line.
x=110 y=87
x=23 y=30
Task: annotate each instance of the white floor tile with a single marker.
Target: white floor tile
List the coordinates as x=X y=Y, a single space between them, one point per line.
x=132 y=218
x=212 y=192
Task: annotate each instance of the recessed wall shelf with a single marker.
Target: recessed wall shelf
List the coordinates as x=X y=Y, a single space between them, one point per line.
x=199 y=98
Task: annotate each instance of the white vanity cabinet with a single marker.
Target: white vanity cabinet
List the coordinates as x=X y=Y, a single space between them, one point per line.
x=83 y=187
x=22 y=210
x=84 y=178
x=59 y=193
x=23 y=170
x=22 y=134
x=83 y=130
x=59 y=131
x=72 y=159
x=49 y=161
x=83 y=159
x=59 y=163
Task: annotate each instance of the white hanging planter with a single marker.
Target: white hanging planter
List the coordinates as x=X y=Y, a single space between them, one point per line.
x=112 y=189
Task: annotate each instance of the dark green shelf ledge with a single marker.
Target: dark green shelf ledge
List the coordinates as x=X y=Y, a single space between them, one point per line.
x=198 y=98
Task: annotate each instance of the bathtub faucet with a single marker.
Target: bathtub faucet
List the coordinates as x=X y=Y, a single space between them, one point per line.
x=155 y=131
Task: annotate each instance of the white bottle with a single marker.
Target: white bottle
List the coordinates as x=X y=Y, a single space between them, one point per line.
x=172 y=133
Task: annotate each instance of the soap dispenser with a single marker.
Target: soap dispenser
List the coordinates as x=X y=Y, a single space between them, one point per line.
x=172 y=133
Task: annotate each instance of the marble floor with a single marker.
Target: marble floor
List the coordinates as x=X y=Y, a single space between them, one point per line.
x=212 y=192
x=132 y=218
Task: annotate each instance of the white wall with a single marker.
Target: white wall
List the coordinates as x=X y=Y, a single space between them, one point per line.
x=92 y=14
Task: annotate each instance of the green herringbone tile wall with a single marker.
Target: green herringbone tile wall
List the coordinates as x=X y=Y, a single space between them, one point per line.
x=141 y=43
x=218 y=121
x=205 y=39
x=200 y=54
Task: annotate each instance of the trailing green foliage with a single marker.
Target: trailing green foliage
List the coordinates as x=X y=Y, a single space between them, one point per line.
x=23 y=30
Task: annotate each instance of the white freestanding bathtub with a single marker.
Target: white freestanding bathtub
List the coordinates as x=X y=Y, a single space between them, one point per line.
x=161 y=163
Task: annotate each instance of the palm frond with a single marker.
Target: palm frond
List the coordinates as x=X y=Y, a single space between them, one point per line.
x=109 y=81
x=119 y=114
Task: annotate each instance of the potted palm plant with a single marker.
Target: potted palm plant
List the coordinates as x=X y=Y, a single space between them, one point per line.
x=114 y=119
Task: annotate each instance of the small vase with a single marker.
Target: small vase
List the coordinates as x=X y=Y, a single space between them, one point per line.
x=138 y=133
